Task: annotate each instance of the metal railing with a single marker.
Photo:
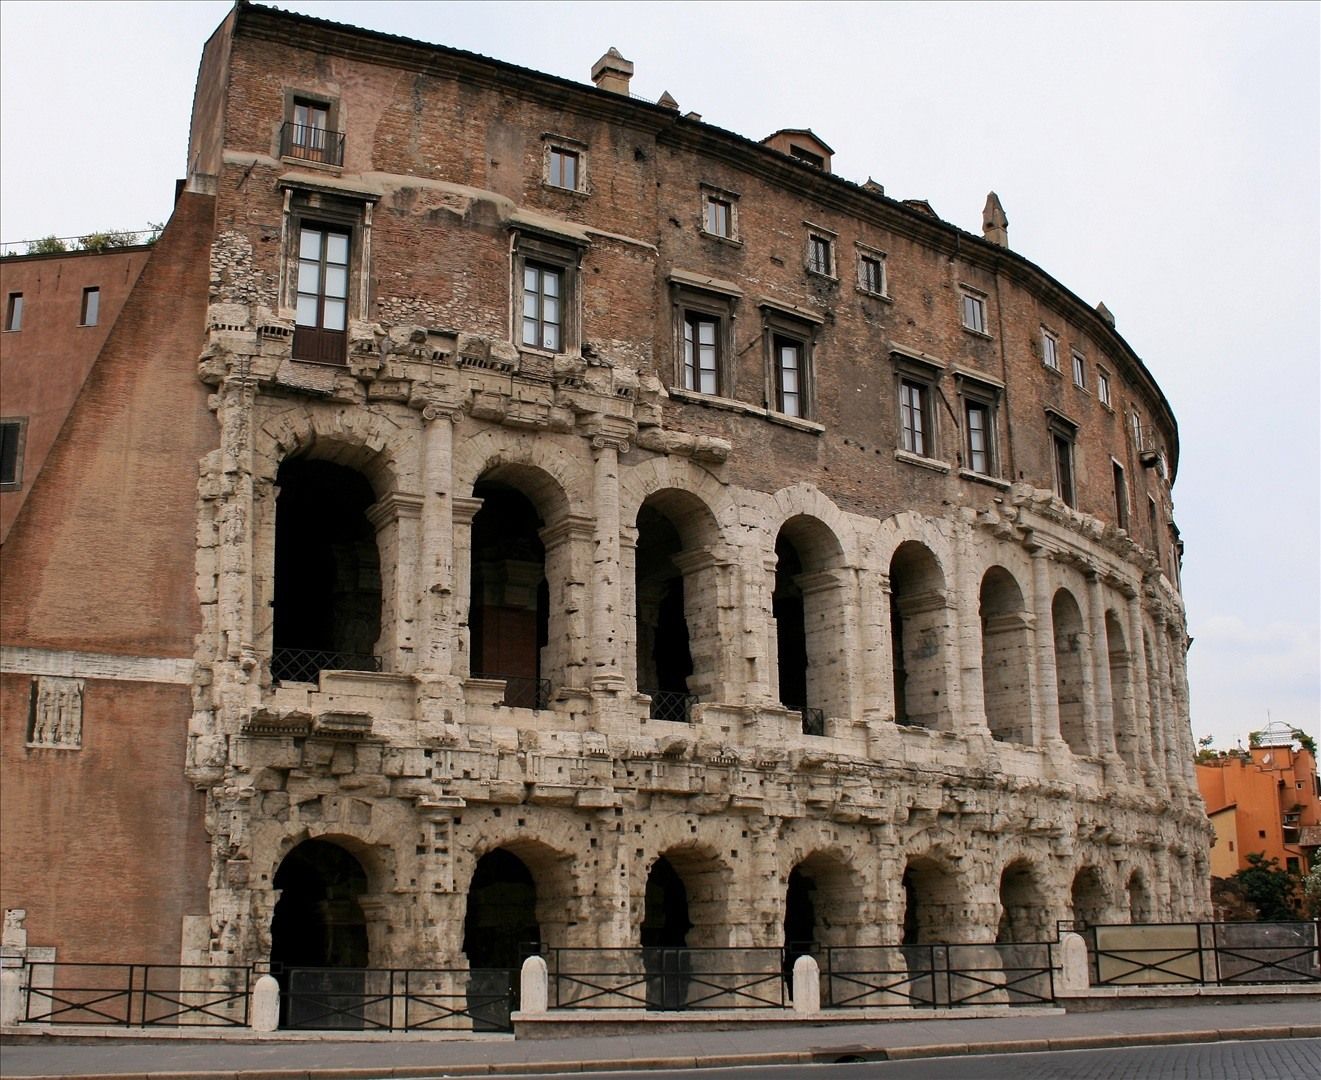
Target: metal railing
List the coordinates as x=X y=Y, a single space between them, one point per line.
x=937 y=976
x=312 y=143
x=672 y=979
x=1206 y=954
x=521 y=691
x=399 y=999
x=136 y=995
x=673 y=705
x=305 y=665
x=814 y=721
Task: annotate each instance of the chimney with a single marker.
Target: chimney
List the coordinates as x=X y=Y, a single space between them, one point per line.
x=995 y=226
x=1105 y=314
x=612 y=72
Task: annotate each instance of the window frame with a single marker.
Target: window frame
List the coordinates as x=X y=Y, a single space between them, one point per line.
x=866 y=256
x=1064 y=458
x=785 y=327
x=983 y=396
x=1103 y=393
x=546 y=253
x=331 y=151
x=14 y=313
x=1123 y=503
x=821 y=241
x=713 y=196
x=1079 y=369
x=19 y=425
x=1050 y=350
x=322 y=341
x=690 y=302
x=973 y=301
x=921 y=377
x=91 y=304
x=566 y=146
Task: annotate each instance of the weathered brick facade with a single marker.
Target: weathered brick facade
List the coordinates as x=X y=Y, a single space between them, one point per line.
x=754 y=482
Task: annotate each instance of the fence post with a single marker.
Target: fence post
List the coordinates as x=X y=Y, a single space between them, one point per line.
x=533 y=985
x=807 y=985
x=265 y=1012
x=1075 y=977
x=11 y=997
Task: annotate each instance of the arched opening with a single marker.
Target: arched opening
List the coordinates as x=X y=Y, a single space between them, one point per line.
x=705 y=883
x=1088 y=898
x=1005 y=651
x=1121 y=691
x=919 y=632
x=933 y=903
x=1024 y=916
x=318 y=924
x=509 y=605
x=1067 y=625
x=678 y=633
x=327 y=589
x=1139 y=899
x=500 y=929
x=664 y=933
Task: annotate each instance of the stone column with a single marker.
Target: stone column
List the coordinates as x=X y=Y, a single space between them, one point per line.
x=435 y=586
x=462 y=511
x=967 y=702
x=759 y=623
x=1153 y=767
x=607 y=596
x=1101 y=720
x=395 y=519
x=1168 y=720
x=1045 y=687
x=703 y=595
x=876 y=686
x=828 y=596
x=569 y=571
x=629 y=628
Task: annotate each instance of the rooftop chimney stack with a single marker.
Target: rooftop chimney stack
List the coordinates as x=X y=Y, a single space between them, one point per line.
x=612 y=72
x=995 y=226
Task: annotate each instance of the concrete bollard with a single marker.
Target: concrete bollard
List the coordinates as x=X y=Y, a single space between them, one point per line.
x=533 y=987
x=11 y=997
x=265 y=1012
x=807 y=985
x=1075 y=973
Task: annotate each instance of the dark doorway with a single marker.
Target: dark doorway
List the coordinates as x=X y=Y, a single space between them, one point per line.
x=665 y=926
x=318 y=924
x=509 y=617
x=327 y=572
x=800 y=930
x=790 y=626
x=665 y=659
x=499 y=931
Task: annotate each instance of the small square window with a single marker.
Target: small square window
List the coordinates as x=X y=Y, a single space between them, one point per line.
x=719 y=217
x=1050 y=350
x=1103 y=387
x=974 y=313
x=91 y=308
x=309 y=131
x=871 y=272
x=1079 y=371
x=563 y=166
x=820 y=255
x=14 y=312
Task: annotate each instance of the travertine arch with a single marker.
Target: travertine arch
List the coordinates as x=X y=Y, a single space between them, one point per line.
x=558 y=886
x=1091 y=893
x=807 y=502
x=369 y=442
x=840 y=894
x=708 y=881
x=905 y=526
x=1006 y=657
x=374 y=853
x=1072 y=670
x=637 y=483
x=1025 y=902
x=547 y=472
x=921 y=636
x=933 y=899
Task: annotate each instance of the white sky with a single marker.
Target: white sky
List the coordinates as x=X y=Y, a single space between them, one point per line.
x=1160 y=157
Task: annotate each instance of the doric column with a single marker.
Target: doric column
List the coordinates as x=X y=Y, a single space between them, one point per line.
x=1101 y=723
x=1153 y=765
x=462 y=511
x=1045 y=687
x=569 y=571
x=607 y=600
x=877 y=686
x=967 y=702
x=395 y=518
x=435 y=552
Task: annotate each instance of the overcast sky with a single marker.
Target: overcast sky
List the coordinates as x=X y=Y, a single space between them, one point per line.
x=1162 y=158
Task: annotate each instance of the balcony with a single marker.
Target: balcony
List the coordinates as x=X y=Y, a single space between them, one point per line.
x=306 y=665
x=309 y=143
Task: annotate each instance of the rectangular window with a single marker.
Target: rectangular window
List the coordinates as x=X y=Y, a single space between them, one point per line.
x=322 y=306
x=871 y=273
x=1121 y=496
x=701 y=353
x=309 y=131
x=91 y=306
x=820 y=257
x=974 y=313
x=1103 y=387
x=14 y=312
x=719 y=217
x=1050 y=350
x=563 y=166
x=914 y=413
x=543 y=307
x=1064 y=469
x=977 y=417
x=11 y=454
x=980 y=402
x=788 y=375
x=1079 y=371
x=1151 y=522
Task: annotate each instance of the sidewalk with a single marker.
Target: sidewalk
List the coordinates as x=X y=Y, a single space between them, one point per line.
x=331 y=1056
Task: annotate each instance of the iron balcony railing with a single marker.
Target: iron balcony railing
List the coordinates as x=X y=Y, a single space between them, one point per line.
x=312 y=143
x=814 y=720
x=136 y=995
x=673 y=705
x=304 y=665
x=521 y=691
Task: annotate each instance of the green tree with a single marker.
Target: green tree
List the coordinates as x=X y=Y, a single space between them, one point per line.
x=1272 y=891
x=47 y=245
x=1312 y=891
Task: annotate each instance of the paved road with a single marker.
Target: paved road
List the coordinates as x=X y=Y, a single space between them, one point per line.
x=1274 y=1059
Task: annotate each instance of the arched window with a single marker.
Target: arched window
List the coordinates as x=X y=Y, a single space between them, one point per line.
x=1067 y=624
x=1121 y=690
x=919 y=635
x=1005 y=651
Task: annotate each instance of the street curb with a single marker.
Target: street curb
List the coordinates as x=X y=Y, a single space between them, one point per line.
x=818 y=1055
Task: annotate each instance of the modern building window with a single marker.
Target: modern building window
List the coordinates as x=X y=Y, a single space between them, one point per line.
x=871 y=272
x=1079 y=371
x=91 y=308
x=789 y=342
x=1063 y=437
x=322 y=305
x=701 y=353
x=546 y=280
x=14 y=311
x=11 y=453
x=309 y=131
x=1050 y=349
x=974 y=312
x=1121 y=496
x=1103 y=387
x=543 y=307
x=563 y=168
x=820 y=254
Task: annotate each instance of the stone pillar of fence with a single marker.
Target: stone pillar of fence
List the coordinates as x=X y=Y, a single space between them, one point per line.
x=11 y=997
x=807 y=985
x=534 y=987
x=1075 y=970
x=264 y=1015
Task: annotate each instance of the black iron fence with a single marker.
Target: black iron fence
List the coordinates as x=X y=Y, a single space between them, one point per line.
x=521 y=691
x=137 y=995
x=305 y=665
x=671 y=979
x=673 y=705
x=1207 y=954
x=937 y=976
x=312 y=143
x=399 y=999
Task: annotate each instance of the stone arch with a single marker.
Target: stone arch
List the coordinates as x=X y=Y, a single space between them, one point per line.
x=1006 y=649
x=706 y=881
x=1140 y=906
x=1024 y=904
x=824 y=903
x=809 y=606
x=808 y=502
x=1121 y=690
x=1089 y=898
x=1070 y=665
x=554 y=905
x=547 y=472
x=367 y=442
x=920 y=630
x=935 y=901
x=639 y=482
x=677 y=602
